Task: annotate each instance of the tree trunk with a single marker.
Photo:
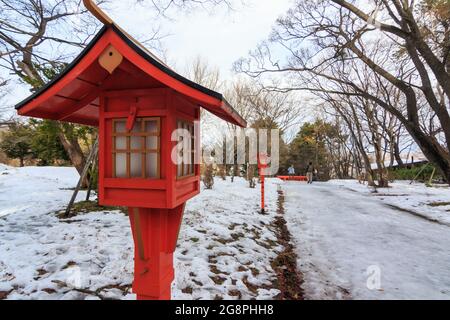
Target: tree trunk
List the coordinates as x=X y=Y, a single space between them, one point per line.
x=74 y=152
x=397 y=156
x=21 y=162
x=432 y=151
x=67 y=139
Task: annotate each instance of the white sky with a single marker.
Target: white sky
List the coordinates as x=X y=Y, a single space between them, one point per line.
x=220 y=37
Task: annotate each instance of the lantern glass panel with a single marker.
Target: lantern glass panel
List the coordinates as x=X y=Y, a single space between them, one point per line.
x=120 y=126
x=151 y=126
x=152 y=143
x=152 y=165
x=136 y=143
x=137 y=126
x=136 y=152
x=121 y=143
x=121 y=165
x=136 y=165
x=186 y=138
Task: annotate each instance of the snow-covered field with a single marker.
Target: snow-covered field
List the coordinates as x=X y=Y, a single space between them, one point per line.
x=224 y=250
x=352 y=244
x=431 y=203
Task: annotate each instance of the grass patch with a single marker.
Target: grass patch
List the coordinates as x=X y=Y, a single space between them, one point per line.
x=218 y=280
x=90 y=206
x=197 y=282
x=439 y=204
x=188 y=290
x=250 y=286
x=4 y=294
x=69 y=264
x=235 y=293
x=223 y=241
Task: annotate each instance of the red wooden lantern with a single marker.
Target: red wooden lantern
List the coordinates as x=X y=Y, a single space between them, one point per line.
x=137 y=102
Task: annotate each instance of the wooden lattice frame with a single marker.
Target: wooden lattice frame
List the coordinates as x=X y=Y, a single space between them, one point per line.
x=188 y=125
x=142 y=150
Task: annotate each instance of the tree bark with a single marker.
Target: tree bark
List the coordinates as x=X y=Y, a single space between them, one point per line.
x=74 y=152
x=432 y=151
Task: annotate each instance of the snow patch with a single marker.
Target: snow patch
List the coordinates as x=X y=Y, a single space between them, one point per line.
x=224 y=250
x=351 y=245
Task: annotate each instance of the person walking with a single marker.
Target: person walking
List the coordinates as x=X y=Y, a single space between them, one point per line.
x=291 y=170
x=310 y=172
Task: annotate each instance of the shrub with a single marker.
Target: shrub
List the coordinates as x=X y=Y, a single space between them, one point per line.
x=411 y=173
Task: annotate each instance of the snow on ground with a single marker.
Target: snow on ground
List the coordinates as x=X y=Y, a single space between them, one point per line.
x=429 y=202
x=353 y=245
x=224 y=250
x=223 y=227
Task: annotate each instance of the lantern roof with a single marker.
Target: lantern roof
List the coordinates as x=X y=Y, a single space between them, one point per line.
x=73 y=95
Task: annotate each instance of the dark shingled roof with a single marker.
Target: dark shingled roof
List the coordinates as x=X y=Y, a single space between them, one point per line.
x=144 y=53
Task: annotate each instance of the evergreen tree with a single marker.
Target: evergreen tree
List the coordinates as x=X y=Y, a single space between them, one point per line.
x=15 y=143
x=309 y=145
x=45 y=143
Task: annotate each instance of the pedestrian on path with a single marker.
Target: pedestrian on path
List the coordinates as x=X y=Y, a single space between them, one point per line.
x=310 y=172
x=291 y=170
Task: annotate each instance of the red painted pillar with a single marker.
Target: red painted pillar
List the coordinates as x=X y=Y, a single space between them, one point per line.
x=155 y=234
x=262 y=192
x=262 y=164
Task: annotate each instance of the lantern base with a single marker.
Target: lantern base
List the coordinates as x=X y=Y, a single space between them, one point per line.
x=161 y=297
x=155 y=234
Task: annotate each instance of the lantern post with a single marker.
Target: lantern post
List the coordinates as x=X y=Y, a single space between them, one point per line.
x=262 y=165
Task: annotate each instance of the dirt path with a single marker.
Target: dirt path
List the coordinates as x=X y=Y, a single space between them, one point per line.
x=289 y=279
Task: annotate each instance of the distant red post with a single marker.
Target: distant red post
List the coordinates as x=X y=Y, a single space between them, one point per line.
x=262 y=164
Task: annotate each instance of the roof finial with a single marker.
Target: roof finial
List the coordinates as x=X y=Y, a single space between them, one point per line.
x=97 y=12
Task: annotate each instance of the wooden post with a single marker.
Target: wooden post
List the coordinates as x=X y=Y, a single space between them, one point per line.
x=429 y=184
x=262 y=192
x=418 y=174
x=91 y=178
x=262 y=164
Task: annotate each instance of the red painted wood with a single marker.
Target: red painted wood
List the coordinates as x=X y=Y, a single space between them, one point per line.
x=87 y=94
x=262 y=164
x=159 y=229
x=70 y=78
x=293 y=178
x=69 y=93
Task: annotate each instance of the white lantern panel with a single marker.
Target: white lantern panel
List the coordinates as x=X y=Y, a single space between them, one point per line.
x=121 y=165
x=152 y=165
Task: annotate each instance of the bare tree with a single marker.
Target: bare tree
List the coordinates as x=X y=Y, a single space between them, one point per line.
x=3 y=93
x=255 y=104
x=38 y=38
x=201 y=72
x=35 y=37
x=30 y=29
x=405 y=47
x=164 y=7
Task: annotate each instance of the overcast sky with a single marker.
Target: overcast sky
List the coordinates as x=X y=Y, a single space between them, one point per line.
x=221 y=37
